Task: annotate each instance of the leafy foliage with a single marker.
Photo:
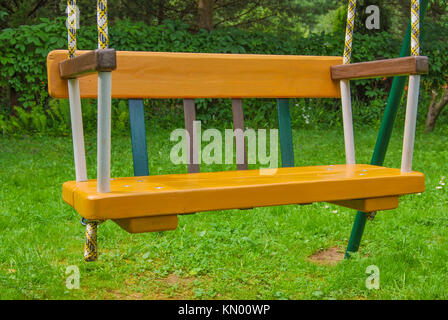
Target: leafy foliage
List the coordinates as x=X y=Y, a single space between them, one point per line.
x=23 y=81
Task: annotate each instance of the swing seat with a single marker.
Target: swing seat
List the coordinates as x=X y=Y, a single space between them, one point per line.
x=152 y=203
x=134 y=199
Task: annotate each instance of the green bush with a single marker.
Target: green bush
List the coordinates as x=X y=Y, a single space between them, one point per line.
x=25 y=106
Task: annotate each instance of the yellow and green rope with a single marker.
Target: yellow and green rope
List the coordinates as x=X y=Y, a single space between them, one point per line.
x=103 y=36
x=91 y=244
x=351 y=14
x=415 y=24
x=71 y=27
x=90 y=248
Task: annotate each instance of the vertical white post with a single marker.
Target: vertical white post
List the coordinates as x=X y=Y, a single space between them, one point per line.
x=413 y=94
x=104 y=130
x=74 y=97
x=104 y=105
x=77 y=129
x=348 y=122
x=410 y=123
x=346 y=98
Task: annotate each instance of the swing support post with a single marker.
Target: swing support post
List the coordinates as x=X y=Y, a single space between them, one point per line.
x=385 y=133
x=104 y=132
x=347 y=114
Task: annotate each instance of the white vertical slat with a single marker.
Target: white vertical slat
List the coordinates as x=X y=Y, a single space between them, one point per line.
x=346 y=97
x=77 y=130
x=410 y=123
x=413 y=94
x=348 y=122
x=104 y=131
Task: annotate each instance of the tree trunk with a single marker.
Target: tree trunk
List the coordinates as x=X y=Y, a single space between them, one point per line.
x=205 y=14
x=434 y=109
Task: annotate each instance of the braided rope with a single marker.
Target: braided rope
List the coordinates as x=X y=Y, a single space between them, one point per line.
x=103 y=36
x=91 y=245
x=415 y=22
x=71 y=27
x=351 y=14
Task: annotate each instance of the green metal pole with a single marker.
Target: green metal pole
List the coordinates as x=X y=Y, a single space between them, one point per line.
x=385 y=133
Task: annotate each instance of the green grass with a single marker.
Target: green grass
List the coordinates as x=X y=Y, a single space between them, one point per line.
x=248 y=254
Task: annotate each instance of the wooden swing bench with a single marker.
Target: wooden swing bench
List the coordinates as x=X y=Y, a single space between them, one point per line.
x=152 y=203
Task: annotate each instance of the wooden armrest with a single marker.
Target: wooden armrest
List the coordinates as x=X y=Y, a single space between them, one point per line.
x=381 y=68
x=100 y=60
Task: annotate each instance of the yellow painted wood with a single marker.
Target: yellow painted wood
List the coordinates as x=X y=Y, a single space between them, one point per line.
x=370 y=205
x=185 y=193
x=205 y=75
x=148 y=224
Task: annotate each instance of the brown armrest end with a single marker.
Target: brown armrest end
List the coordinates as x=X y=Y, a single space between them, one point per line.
x=100 y=60
x=381 y=68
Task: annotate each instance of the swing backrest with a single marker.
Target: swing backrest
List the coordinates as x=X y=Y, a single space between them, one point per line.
x=138 y=75
x=203 y=75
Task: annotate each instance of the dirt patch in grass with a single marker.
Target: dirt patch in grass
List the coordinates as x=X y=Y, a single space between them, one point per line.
x=168 y=288
x=119 y=295
x=327 y=257
x=174 y=287
x=174 y=279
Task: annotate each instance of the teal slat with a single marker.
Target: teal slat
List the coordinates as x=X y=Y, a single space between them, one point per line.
x=285 y=130
x=138 y=137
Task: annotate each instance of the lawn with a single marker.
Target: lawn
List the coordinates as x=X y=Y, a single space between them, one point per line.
x=262 y=253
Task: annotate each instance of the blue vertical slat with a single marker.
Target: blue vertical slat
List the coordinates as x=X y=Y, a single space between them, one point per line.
x=285 y=130
x=138 y=137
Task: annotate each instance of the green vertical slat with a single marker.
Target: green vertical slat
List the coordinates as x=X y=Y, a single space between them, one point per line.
x=138 y=137
x=284 y=127
x=382 y=142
